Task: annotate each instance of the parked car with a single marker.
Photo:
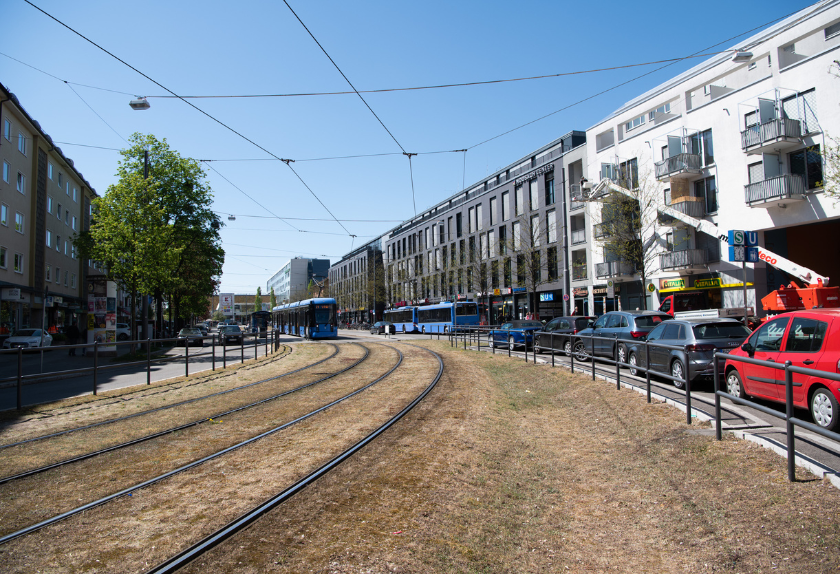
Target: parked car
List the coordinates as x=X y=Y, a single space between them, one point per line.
x=809 y=339
x=230 y=334
x=189 y=336
x=623 y=326
x=515 y=334
x=123 y=331
x=562 y=326
x=381 y=327
x=27 y=338
x=698 y=339
x=203 y=328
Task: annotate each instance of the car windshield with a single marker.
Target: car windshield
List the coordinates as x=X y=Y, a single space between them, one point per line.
x=190 y=332
x=28 y=333
x=525 y=324
x=650 y=320
x=231 y=329
x=721 y=331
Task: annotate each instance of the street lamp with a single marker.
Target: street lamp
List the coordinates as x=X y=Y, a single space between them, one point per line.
x=139 y=103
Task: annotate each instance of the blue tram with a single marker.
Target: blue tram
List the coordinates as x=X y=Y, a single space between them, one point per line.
x=446 y=317
x=312 y=318
x=403 y=318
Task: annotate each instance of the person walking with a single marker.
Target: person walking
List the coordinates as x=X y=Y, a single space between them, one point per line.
x=73 y=336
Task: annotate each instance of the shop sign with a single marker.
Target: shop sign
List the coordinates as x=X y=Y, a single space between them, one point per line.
x=672 y=283
x=581 y=291
x=49 y=301
x=713 y=283
x=600 y=290
x=537 y=172
x=11 y=294
x=546 y=296
x=497 y=292
x=518 y=290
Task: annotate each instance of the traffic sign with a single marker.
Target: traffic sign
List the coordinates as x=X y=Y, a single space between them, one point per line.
x=566 y=297
x=736 y=237
x=611 y=289
x=741 y=253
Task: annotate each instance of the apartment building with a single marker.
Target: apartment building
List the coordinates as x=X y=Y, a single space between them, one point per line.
x=501 y=242
x=291 y=282
x=734 y=142
x=44 y=201
x=357 y=282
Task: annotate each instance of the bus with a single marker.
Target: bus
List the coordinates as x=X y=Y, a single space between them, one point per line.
x=311 y=319
x=445 y=317
x=403 y=318
x=259 y=322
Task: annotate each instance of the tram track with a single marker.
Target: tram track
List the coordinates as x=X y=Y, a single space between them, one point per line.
x=224 y=484
x=115 y=477
x=170 y=430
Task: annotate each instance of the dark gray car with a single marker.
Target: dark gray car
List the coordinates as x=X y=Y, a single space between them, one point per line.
x=699 y=339
x=561 y=328
x=620 y=328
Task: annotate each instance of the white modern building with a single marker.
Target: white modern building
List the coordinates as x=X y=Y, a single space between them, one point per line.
x=291 y=282
x=734 y=142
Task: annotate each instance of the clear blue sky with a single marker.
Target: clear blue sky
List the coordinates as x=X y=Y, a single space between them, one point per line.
x=249 y=47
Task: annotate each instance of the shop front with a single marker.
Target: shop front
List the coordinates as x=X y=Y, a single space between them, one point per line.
x=550 y=304
x=581 y=304
x=707 y=291
x=501 y=306
x=15 y=310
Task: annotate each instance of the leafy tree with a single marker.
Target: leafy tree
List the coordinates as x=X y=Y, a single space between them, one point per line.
x=218 y=316
x=258 y=300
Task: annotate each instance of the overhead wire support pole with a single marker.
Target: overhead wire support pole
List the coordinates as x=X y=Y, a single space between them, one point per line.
x=411 y=172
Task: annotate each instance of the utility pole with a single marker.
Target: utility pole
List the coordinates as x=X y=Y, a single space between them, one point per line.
x=144 y=306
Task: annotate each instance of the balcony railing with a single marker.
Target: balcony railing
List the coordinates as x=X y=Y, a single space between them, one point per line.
x=578 y=236
x=614 y=269
x=770 y=132
x=790 y=186
x=602 y=230
x=681 y=259
x=676 y=164
x=578 y=272
x=693 y=207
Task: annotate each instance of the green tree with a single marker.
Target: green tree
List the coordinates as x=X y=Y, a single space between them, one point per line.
x=218 y=316
x=272 y=300
x=258 y=300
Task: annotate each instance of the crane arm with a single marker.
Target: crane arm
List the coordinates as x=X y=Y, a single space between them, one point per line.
x=808 y=276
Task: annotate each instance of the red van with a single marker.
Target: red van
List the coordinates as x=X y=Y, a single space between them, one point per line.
x=809 y=339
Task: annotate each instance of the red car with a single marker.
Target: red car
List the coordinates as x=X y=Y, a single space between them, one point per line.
x=809 y=339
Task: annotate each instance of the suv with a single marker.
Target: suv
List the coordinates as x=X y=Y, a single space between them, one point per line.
x=623 y=326
x=562 y=326
x=809 y=339
x=123 y=332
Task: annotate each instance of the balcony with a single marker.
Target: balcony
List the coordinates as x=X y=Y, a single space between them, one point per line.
x=775 y=191
x=688 y=259
x=691 y=206
x=578 y=236
x=614 y=269
x=680 y=165
x=602 y=230
x=575 y=192
x=776 y=134
x=578 y=272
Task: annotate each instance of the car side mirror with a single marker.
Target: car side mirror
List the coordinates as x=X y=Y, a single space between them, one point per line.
x=594 y=326
x=748 y=348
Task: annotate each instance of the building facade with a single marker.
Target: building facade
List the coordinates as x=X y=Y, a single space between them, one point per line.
x=357 y=282
x=44 y=201
x=734 y=142
x=291 y=282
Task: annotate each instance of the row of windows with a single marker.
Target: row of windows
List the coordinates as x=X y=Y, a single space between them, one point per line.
x=7 y=133
x=17 y=265
x=48 y=276
x=69 y=220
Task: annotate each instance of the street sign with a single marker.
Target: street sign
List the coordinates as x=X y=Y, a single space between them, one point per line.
x=611 y=289
x=736 y=237
x=566 y=297
x=741 y=253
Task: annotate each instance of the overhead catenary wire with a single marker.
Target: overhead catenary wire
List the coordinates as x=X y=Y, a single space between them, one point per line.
x=221 y=123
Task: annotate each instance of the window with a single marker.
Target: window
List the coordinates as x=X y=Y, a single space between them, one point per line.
x=808 y=163
x=805 y=335
x=48 y=275
x=535 y=231
x=494 y=216
x=471 y=224
x=66 y=217
x=60 y=179
x=664 y=109
x=634 y=123
x=503 y=240
x=701 y=144
x=4 y=214
x=49 y=204
x=65 y=278
x=7 y=171
x=552 y=264
x=505 y=206
x=75 y=195
x=73 y=223
x=518 y=203
x=534 y=197
x=58 y=243
x=706 y=189
x=2 y=257
x=551 y=225
x=459 y=228
x=58 y=212
x=516 y=236
x=832 y=31
x=19 y=222
x=472 y=249
x=50 y=170
x=66 y=251
x=549 y=189
x=49 y=238
x=482 y=245
x=491 y=241
x=7 y=130
x=629 y=174
x=67 y=187
x=479 y=217
x=21 y=183
x=769 y=337
x=21 y=143
x=58 y=275
x=73 y=280
x=18 y=262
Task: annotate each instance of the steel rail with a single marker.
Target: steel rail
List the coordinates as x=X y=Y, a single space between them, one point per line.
x=182 y=403
x=209 y=542
x=186 y=425
x=151 y=481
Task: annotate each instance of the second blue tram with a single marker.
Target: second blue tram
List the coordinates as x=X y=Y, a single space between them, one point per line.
x=445 y=317
x=403 y=318
x=311 y=319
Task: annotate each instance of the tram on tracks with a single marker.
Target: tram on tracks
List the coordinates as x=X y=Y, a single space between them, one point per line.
x=311 y=319
x=447 y=317
x=404 y=319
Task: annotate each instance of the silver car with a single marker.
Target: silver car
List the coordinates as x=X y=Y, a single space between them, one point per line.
x=27 y=338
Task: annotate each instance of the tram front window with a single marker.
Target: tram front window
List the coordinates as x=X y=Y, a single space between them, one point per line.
x=323 y=314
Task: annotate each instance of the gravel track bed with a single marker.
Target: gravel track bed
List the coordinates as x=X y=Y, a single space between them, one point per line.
x=134 y=533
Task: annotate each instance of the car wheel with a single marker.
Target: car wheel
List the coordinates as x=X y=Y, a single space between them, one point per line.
x=824 y=409
x=734 y=386
x=122 y=337
x=511 y=344
x=490 y=342
x=678 y=371
x=567 y=348
x=633 y=370
x=581 y=352
x=537 y=348
x=622 y=354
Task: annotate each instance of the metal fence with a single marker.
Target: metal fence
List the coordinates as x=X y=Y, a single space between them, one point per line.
x=583 y=350
x=216 y=340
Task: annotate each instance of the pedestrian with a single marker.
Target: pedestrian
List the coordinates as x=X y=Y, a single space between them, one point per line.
x=83 y=337
x=72 y=338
